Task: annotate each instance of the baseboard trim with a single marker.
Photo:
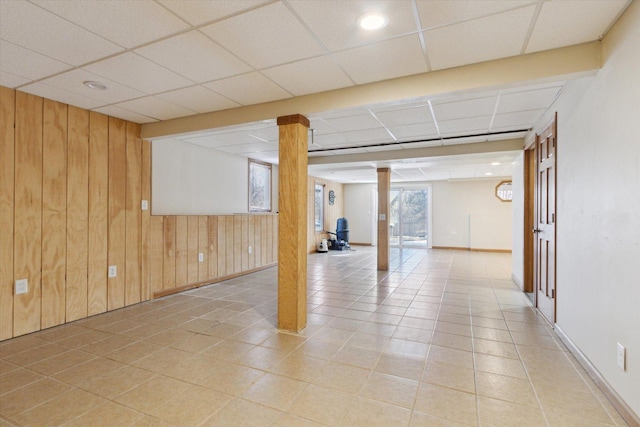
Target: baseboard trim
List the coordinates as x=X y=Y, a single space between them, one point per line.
x=618 y=403
x=516 y=281
x=172 y=291
x=457 y=248
x=359 y=244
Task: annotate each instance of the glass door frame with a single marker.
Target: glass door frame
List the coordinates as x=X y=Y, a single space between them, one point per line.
x=413 y=187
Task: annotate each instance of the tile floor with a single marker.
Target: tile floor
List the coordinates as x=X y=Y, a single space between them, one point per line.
x=442 y=339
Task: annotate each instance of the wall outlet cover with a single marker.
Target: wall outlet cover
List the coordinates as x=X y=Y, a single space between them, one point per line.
x=22 y=286
x=200 y=257
x=621 y=356
x=113 y=271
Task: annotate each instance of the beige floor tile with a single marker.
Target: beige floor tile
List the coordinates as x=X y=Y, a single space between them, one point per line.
x=357 y=357
x=495 y=348
x=169 y=337
x=197 y=343
x=299 y=366
x=240 y=412
x=451 y=376
x=283 y=341
x=30 y=396
x=162 y=359
x=108 y=345
x=371 y=413
x=79 y=374
x=8 y=367
x=511 y=389
x=447 y=403
x=560 y=402
x=400 y=366
x=34 y=355
x=262 y=357
x=458 y=342
x=230 y=378
x=369 y=341
x=321 y=404
x=61 y=362
x=107 y=414
x=413 y=334
x=228 y=350
x=151 y=394
x=450 y=356
x=201 y=404
x=59 y=410
x=493 y=412
x=453 y=328
x=17 y=378
x=113 y=383
x=490 y=322
x=499 y=365
x=342 y=377
x=288 y=420
x=407 y=348
x=418 y=419
x=11 y=347
x=274 y=391
x=390 y=389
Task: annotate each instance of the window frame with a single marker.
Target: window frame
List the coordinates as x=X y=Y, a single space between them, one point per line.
x=268 y=191
x=322 y=209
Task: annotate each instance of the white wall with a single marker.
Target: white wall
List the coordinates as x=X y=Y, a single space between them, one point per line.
x=190 y=179
x=517 y=222
x=598 y=210
x=455 y=206
x=467 y=214
x=358 y=209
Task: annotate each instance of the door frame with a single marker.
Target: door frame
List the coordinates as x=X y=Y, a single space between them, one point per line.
x=428 y=189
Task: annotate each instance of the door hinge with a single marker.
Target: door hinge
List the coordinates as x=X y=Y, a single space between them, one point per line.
x=553 y=293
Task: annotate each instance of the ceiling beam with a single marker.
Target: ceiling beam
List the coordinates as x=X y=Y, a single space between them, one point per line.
x=552 y=65
x=423 y=152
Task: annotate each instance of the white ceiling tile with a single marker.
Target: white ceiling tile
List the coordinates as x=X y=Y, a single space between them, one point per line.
x=127 y=23
x=11 y=80
x=27 y=63
x=355 y=111
x=195 y=57
x=309 y=76
x=368 y=136
x=437 y=13
x=137 y=72
x=405 y=116
x=479 y=40
x=209 y=141
x=198 y=12
x=462 y=126
x=72 y=81
x=247 y=89
x=123 y=114
x=265 y=37
x=384 y=60
x=198 y=99
x=330 y=139
x=390 y=147
x=155 y=107
x=527 y=100
x=417 y=131
x=349 y=123
x=464 y=140
x=518 y=119
x=422 y=144
x=269 y=133
x=579 y=21
x=335 y=22
x=60 y=95
x=29 y=26
x=462 y=109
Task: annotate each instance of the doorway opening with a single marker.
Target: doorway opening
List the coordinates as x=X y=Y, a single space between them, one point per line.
x=410 y=217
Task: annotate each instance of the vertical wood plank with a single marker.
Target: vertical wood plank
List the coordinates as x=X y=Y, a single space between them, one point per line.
x=182 y=250
x=258 y=240
x=245 y=242
x=251 y=241
x=117 y=217
x=222 y=246
x=384 y=186
x=192 y=249
x=264 y=242
x=145 y=285
x=156 y=253
x=229 y=241
x=133 y=215
x=213 y=246
x=169 y=264
x=203 y=247
x=28 y=211
x=237 y=243
x=7 y=135
x=77 y=213
x=98 y=212
x=54 y=212
x=274 y=240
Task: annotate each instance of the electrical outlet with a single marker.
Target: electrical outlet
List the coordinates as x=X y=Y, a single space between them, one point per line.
x=250 y=249
x=144 y=205
x=200 y=257
x=621 y=356
x=113 y=271
x=22 y=286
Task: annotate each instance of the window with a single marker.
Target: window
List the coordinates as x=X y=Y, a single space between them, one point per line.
x=319 y=207
x=504 y=191
x=259 y=186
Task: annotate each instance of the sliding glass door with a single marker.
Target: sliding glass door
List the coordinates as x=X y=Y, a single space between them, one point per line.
x=409 y=217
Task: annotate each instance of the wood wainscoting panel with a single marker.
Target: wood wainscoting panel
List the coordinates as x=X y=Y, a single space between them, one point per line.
x=7 y=136
x=156 y=253
x=145 y=221
x=212 y=246
x=27 y=262
x=98 y=213
x=133 y=214
x=203 y=247
x=117 y=216
x=192 y=249
x=229 y=244
x=264 y=240
x=252 y=240
x=244 y=247
x=77 y=213
x=182 y=250
x=222 y=246
x=54 y=212
x=237 y=243
x=169 y=252
x=257 y=240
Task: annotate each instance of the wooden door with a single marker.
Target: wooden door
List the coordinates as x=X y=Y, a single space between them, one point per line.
x=545 y=222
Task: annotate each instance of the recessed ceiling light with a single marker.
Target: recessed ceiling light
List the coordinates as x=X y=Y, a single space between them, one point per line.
x=495 y=164
x=488 y=173
x=373 y=21
x=95 y=85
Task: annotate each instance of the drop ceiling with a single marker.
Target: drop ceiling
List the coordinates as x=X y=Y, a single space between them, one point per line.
x=167 y=59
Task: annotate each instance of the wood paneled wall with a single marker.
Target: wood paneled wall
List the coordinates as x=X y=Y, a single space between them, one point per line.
x=71 y=185
x=331 y=212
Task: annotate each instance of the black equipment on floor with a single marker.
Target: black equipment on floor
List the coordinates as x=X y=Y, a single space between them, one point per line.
x=341 y=241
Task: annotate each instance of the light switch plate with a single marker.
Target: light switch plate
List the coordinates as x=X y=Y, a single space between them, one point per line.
x=22 y=286
x=144 y=205
x=200 y=257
